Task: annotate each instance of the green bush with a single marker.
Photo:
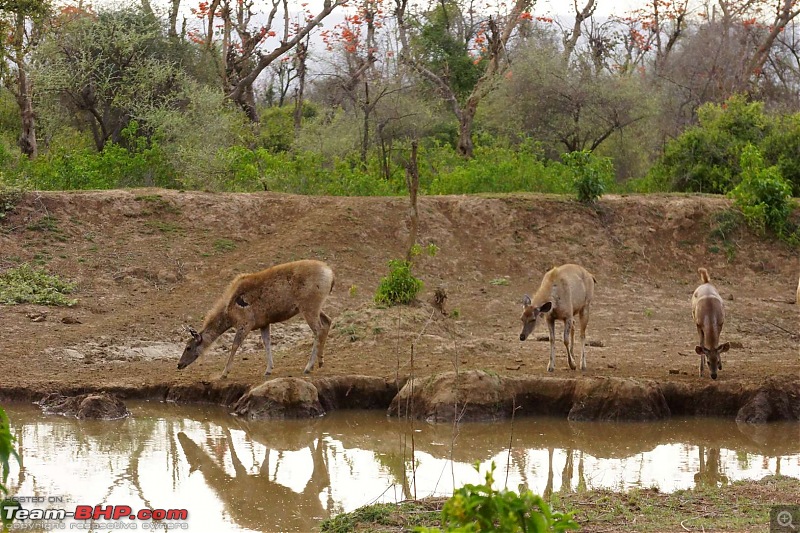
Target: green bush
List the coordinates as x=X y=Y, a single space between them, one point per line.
x=140 y=164
x=496 y=169
x=400 y=286
x=705 y=158
x=591 y=175
x=763 y=195
x=24 y=284
x=782 y=147
x=474 y=508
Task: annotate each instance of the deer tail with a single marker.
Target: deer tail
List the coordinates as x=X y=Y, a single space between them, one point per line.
x=703 y=275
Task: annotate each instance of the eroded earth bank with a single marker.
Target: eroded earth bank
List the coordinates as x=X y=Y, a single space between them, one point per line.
x=148 y=262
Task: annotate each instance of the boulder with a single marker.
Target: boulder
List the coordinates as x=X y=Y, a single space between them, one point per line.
x=100 y=406
x=280 y=398
x=472 y=395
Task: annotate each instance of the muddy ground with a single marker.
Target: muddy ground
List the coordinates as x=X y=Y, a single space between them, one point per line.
x=147 y=262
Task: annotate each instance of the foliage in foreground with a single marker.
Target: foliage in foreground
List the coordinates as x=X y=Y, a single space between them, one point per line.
x=7 y=451
x=25 y=284
x=474 y=508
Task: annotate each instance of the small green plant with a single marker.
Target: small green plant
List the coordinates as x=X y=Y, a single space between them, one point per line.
x=46 y=223
x=353 y=291
x=474 y=508
x=430 y=250
x=503 y=282
x=25 y=284
x=400 y=286
x=591 y=174
x=455 y=313
x=224 y=245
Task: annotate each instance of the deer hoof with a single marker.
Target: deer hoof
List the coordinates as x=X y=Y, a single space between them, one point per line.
x=550 y=368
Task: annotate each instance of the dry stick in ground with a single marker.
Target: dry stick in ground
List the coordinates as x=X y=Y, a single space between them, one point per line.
x=793 y=334
x=511 y=437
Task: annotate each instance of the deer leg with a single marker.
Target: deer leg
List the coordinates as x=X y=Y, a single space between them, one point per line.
x=268 y=348
x=551 y=325
x=702 y=355
x=583 y=319
x=241 y=333
x=319 y=327
x=568 y=331
x=326 y=321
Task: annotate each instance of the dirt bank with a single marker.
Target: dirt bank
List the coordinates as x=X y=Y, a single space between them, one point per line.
x=146 y=262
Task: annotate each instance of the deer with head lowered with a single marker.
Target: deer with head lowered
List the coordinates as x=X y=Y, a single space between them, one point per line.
x=566 y=291
x=254 y=301
x=709 y=316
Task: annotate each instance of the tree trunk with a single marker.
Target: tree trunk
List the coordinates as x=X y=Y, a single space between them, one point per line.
x=412 y=182
x=173 y=18
x=27 y=137
x=367 y=107
x=465 y=121
x=302 y=49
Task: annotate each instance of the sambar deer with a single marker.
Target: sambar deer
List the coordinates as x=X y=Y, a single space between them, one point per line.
x=708 y=312
x=254 y=301
x=566 y=291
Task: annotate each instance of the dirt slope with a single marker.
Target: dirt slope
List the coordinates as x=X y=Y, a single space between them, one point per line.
x=149 y=261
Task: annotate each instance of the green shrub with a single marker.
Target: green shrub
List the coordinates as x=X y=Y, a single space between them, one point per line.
x=24 y=284
x=781 y=148
x=591 y=175
x=474 y=508
x=705 y=158
x=400 y=286
x=763 y=195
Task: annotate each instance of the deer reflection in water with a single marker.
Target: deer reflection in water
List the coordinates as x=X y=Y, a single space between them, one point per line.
x=255 y=501
x=567 y=474
x=709 y=474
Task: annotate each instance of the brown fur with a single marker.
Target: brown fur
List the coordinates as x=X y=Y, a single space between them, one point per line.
x=565 y=291
x=254 y=301
x=708 y=312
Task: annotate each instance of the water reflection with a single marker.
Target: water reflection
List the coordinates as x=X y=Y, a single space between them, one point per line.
x=237 y=475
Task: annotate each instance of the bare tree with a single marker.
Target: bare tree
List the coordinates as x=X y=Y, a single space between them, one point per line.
x=243 y=53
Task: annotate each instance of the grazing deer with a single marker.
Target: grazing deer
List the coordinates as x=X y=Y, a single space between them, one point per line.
x=254 y=301
x=709 y=316
x=565 y=291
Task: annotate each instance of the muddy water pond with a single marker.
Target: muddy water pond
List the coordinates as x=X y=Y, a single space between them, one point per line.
x=235 y=475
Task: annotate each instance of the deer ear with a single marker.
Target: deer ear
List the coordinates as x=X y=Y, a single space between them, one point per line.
x=699 y=350
x=724 y=347
x=526 y=300
x=545 y=307
x=193 y=333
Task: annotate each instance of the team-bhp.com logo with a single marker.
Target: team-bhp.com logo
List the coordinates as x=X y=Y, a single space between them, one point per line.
x=18 y=515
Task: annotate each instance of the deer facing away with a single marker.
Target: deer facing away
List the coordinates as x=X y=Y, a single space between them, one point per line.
x=254 y=301
x=566 y=291
x=708 y=313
